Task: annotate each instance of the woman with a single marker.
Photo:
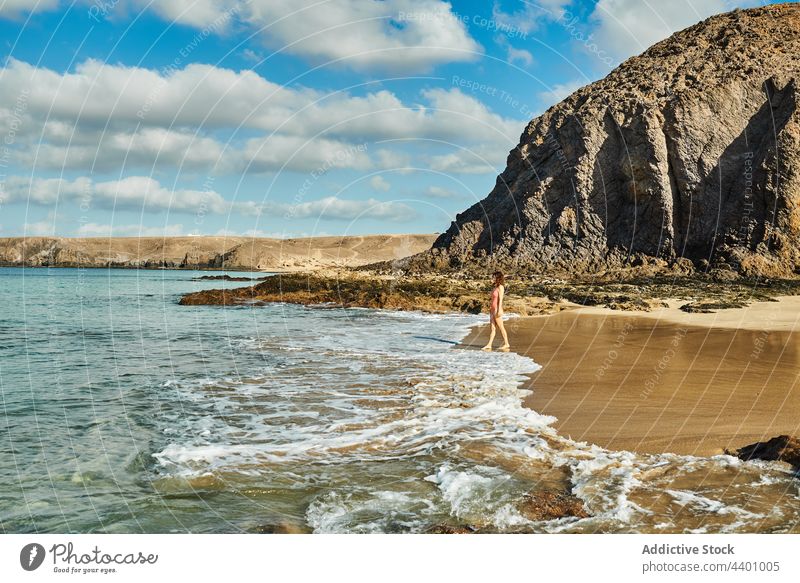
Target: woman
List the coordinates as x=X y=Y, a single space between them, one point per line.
x=496 y=312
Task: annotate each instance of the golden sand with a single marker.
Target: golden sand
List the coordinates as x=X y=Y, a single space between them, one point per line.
x=665 y=381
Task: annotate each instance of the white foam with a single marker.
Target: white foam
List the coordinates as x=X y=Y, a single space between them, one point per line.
x=370 y=386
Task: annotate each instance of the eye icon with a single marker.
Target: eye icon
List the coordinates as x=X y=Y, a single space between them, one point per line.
x=31 y=556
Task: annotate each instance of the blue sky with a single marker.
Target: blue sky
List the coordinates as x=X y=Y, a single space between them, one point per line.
x=287 y=118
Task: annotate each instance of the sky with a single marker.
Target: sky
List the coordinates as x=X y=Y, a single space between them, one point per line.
x=281 y=118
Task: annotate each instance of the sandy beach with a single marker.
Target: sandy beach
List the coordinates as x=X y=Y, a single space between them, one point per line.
x=665 y=380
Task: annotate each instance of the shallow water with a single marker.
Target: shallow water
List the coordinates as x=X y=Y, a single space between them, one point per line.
x=125 y=412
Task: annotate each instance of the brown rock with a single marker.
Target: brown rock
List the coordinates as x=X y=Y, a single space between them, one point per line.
x=283 y=527
x=450 y=529
x=550 y=505
x=782 y=448
x=689 y=151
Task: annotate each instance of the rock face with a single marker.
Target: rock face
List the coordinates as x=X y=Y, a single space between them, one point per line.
x=209 y=252
x=687 y=155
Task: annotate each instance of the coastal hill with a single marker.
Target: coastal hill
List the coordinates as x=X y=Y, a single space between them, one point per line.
x=684 y=158
x=210 y=252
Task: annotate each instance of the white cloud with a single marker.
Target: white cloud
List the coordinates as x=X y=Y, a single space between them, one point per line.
x=317 y=155
x=101 y=116
x=399 y=35
x=146 y=148
x=473 y=161
x=332 y=207
x=252 y=56
x=514 y=55
x=529 y=17
x=396 y=35
x=40 y=229
x=134 y=192
x=559 y=91
x=15 y=8
x=210 y=15
x=391 y=159
x=379 y=183
x=142 y=193
x=627 y=27
x=440 y=192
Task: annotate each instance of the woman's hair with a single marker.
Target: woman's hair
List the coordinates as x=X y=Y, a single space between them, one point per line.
x=499 y=279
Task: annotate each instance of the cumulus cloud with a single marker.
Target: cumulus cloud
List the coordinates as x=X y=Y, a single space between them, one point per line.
x=101 y=116
x=379 y=183
x=135 y=193
x=514 y=55
x=277 y=152
x=398 y=35
x=440 y=192
x=559 y=91
x=205 y=14
x=15 y=8
x=627 y=27
x=142 y=193
x=470 y=161
x=332 y=207
x=40 y=228
x=529 y=16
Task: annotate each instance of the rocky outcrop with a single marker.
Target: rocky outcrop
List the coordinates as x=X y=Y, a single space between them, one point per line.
x=686 y=155
x=782 y=448
x=209 y=252
x=349 y=288
x=551 y=505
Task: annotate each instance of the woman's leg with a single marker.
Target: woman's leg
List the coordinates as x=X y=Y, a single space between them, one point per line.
x=491 y=334
x=499 y=321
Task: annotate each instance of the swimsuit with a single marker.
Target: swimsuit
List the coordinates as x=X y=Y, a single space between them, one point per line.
x=495 y=301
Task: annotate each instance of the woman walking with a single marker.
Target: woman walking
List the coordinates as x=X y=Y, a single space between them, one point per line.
x=496 y=312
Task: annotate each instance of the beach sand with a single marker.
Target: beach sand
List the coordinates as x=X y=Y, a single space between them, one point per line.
x=665 y=380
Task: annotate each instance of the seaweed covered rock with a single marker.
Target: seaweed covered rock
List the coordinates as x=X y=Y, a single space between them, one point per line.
x=550 y=505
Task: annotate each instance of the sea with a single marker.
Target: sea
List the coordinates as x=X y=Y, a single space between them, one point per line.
x=122 y=411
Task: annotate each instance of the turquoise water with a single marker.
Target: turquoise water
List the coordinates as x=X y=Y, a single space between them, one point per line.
x=123 y=411
x=83 y=359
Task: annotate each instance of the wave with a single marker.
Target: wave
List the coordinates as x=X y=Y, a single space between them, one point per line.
x=383 y=426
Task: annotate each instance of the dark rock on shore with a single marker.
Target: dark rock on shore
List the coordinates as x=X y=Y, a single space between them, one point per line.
x=348 y=289
x=685 y=158
x=782 y=448
x=283 y=527
x=451 y=529
x=223 y=278
x=357 y=289
x=525 y=295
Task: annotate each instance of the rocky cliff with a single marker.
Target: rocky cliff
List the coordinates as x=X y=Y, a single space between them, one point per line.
x=686 y=156
x=209 y=252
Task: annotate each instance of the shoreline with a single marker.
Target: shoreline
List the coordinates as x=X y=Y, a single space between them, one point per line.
x=664 y=381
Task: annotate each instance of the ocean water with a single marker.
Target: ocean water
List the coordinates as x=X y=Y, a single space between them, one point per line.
x=125 y=412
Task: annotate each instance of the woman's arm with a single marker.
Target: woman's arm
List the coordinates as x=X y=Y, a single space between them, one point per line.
x=500 y=299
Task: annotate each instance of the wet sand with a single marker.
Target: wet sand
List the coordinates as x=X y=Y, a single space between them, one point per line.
x=665 y=381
